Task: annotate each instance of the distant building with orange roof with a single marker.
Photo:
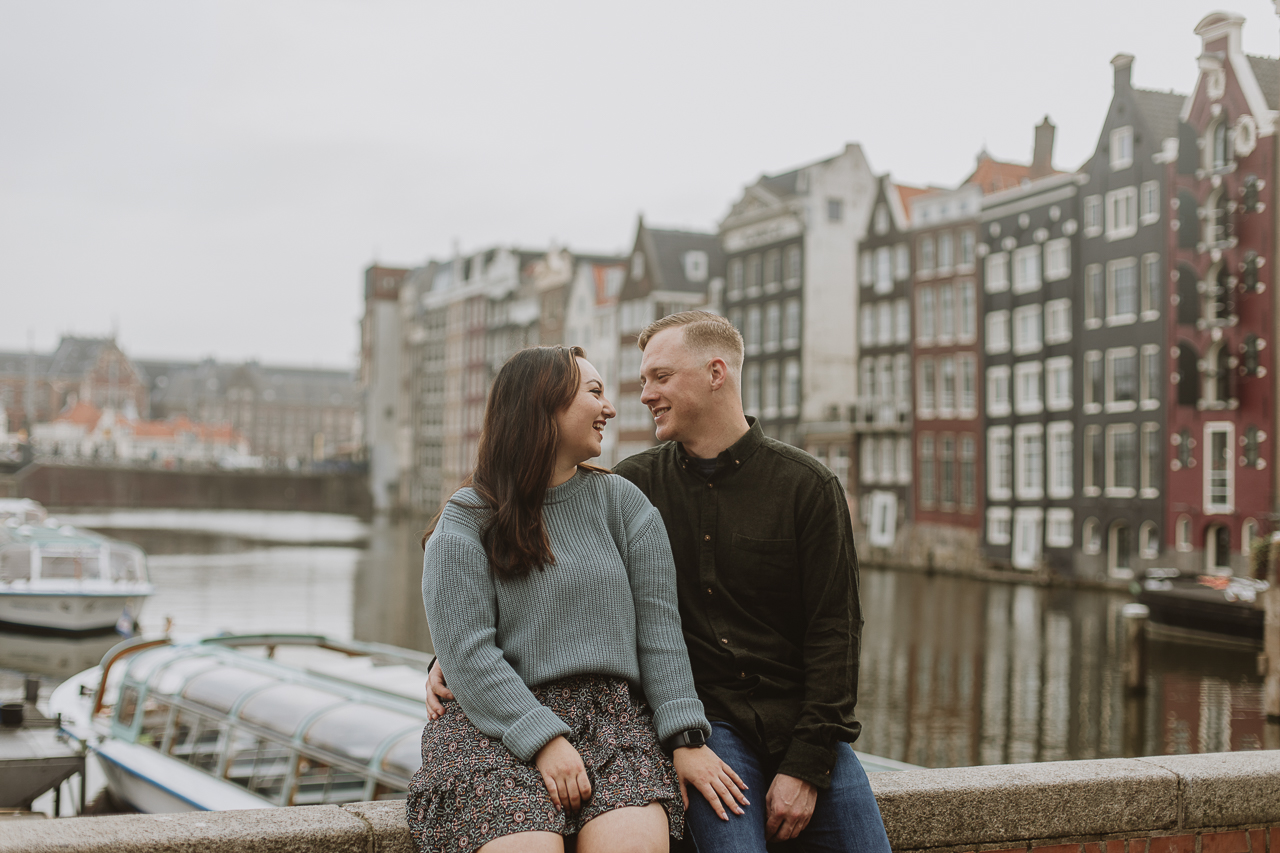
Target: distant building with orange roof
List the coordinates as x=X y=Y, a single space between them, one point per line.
x=83 y=430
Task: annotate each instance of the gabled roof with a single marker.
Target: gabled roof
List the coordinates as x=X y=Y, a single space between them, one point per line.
x=993 y=176
x=906 y=193
x=83 y=413
x=1160 y=111
x=1267 y=71
x=77 y=356
x=783 y=185
x=668 y=250
x=15 y=363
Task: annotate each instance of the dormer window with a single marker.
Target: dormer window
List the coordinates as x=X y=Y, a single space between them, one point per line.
x=882 y=220
x=695 y=266
x=1121 y=148
x=835 y=210
x=637 y=266
x=1219 y=146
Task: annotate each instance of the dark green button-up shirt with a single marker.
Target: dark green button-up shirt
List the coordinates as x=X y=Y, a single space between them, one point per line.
x=768 y=586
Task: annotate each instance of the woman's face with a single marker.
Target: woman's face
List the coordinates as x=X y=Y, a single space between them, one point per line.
x=581 y=423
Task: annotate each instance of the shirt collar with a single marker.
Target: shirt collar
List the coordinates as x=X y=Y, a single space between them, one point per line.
x=736 y=454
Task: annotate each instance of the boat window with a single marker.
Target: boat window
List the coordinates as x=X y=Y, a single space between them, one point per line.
x=126 y=564
x=258 y=764
x=357 y=729
x=175 y=675
x=387 y=792
x=196 y=740
x=127 y=706
x=155 y=719
x=15 y=563
x=323 y=783
x=282 y=708
x=75 y=564
x=221 y=687
x=405 y=756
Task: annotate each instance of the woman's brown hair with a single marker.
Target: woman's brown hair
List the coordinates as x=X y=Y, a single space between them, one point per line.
x=517 y=456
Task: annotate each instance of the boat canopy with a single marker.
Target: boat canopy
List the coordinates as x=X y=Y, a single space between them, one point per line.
x=29 y=553
x=281 y=725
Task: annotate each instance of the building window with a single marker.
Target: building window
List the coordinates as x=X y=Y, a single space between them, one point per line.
x=1057 y=259
x=1059 y=524
x=835 y=210
x=884 y=270
x=1091 y=536
x=998 y=331
x=772 y=271
x=753 y=275
x=791 y=387
x=1152 y=460
x=1122 y=213
x=968 y=316
x=924 y=256
x=1151 y=379
x=1122 y=292
x=947 y=470
x=772 y=326
x=1120 y=550
x=1026 y=269
x=882 y=220
x=1061 y=459
x=884 y=323
x=1027 y=336
x=1027 y=399
x=901 y=262
x=966 y=247
x=1152 y=289
x=901 y=321
x=752 y=335
x=968 y=472
x=1094 y=460
x=967 y=378
x=868 y=267
x=946 y=387
x=867 y=314
x=1026 y=537
x=1095 y=299
x=1217 y=549
x=1121 y=148
x=1219 y=484
x=997 y=267
x=1028 y=445
x=1182 y=533
x=1057 y=382
x=999 y=463
x=1219 y=146
x=735 y=278
x=927 y=317
x=1057 y=321
x=902 y=381
x=903 y=444
x=999 y=526
x=998 y=401
x=751 y=391
x=1188 y=375
x=946 y=252
x=791 y=328
x=946 y=314
x=927 y=389
x=794 y=268
x=1122 y=461
x=1149 y=202
x=867 y=459
x=1092 y=215
x=735 y=317
x=1149 y=540
x=771 y=388
x=1122 y=379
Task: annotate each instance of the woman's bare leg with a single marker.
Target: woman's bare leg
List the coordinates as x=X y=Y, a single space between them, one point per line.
x=518 y=842
x=634 y=829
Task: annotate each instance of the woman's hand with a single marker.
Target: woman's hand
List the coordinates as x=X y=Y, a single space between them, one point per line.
x=563 y=773
x=437 y=692
x=703 y=769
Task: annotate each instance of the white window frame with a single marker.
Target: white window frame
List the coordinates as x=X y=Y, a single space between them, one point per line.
x=1057 y=259
x=1092 y=406
x=966 y=311
x=1055 y=367
x=1114 y=317
x=1004 y=435
x=1148 y=269
x=1210 y=507
x=966 y=251
x=1092 y=215
x=868 y=267
x=1057 y=321
x=999 y=525
x=903 y=445
x=1094 y=313
x=1026 y=269
x=1149 y=433
x=902 y=321
x=1028 y=534
x=925 y=265
x=902 y=382
x=997 y=331
x=1028 y=479
x=1059 y=527
x=1109 y=460
x=883 y=282
x=927 y=391
x=1121 y=150
x=948 y=387
x=967 y=385
x=945 y=324
x=1029 y=374
x=1148 y=397
x=926 y=316
x=999 y=405
x=1059 y=484
x=1113 y=405
x=1028 y=329
x=884 y=323
x=1121 y=213
x=996 y=279
x=901 y=262
x=1149 y=202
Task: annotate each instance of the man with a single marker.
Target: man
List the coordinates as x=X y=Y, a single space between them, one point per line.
x=768 y=589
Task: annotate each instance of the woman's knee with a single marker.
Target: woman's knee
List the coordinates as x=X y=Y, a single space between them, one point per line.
x=633 y=829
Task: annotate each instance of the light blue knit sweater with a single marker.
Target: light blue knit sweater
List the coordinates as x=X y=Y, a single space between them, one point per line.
x=607 y=607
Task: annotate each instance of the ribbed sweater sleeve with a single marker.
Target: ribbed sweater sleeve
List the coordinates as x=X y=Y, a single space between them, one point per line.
x=664 y=661
x=461 y=603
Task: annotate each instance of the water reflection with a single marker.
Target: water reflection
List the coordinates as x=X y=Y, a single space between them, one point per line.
x=958 y=672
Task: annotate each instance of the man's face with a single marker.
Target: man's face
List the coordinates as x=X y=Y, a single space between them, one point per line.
x=676 y=385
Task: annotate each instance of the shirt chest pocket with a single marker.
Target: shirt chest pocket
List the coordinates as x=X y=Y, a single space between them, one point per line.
x=768 y=568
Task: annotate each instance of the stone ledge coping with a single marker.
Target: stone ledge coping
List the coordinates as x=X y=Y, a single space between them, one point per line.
x=963 y=807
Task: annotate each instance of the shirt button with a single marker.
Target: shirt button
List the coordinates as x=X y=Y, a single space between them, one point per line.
x=707 y=537
x=742 y=675
x=709 y=591
x=708 y=485
x=725 y=640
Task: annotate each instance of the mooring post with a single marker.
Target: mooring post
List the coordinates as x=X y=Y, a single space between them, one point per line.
x=1135 y=646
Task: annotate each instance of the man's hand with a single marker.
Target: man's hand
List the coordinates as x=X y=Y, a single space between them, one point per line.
x=790 y=802
x=703 y=769
x=563 y=773
x=437 y=693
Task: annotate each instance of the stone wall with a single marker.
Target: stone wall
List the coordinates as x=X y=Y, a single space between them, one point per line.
x=1219 y=803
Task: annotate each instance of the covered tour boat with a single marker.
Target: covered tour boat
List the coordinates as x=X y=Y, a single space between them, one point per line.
x=239 y=722
x=61 y=578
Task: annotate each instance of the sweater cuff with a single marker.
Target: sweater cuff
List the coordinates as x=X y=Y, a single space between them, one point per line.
x=810 y=763
x=680 y=715
x=533 y=731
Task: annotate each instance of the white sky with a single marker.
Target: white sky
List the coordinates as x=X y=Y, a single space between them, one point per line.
x=211 y=178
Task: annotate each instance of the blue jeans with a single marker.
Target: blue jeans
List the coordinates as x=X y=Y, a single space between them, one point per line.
x=846 y=817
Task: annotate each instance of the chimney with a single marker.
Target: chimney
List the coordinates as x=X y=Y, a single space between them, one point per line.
x=1123 y=64
x=1042 y=154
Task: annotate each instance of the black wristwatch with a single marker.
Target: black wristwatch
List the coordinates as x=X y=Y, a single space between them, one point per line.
x=692 y=738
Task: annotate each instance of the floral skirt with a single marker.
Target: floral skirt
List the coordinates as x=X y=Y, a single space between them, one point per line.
x=471 y=789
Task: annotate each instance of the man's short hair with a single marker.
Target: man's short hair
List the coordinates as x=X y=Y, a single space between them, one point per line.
x=704 y=332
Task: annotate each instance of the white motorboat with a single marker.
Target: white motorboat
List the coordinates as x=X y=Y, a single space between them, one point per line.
x=67 y=580
x=242 y=722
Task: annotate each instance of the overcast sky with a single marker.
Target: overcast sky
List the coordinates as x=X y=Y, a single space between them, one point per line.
x=211 y=178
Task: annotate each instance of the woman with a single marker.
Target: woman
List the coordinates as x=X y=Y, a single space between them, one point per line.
x=550 y=592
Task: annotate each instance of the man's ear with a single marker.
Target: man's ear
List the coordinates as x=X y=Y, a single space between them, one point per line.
x=718 y=372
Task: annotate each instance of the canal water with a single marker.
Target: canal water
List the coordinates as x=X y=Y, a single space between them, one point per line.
x=954 y=671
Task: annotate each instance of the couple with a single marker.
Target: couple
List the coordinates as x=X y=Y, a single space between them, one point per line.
x=587 y=703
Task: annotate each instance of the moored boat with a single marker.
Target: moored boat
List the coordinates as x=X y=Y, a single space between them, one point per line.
x=254 y=721
x=68 y=580
x=1222 y=610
